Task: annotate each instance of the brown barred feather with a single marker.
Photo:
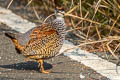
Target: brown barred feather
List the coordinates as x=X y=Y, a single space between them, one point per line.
x=42 y=42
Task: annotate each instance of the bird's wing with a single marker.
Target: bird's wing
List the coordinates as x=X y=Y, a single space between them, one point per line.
x=35 y=33
x=42 y=39
x=42 y=31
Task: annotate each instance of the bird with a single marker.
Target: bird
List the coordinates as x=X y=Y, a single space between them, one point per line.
x=41 y=42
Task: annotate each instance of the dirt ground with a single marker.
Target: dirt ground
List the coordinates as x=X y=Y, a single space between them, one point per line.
x=13 y=66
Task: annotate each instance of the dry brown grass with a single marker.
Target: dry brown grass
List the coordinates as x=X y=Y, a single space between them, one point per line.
x=99 y=21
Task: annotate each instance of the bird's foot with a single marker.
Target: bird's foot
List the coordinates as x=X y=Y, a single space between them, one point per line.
x=46 y=72
x=42 y=67
x=27 y=59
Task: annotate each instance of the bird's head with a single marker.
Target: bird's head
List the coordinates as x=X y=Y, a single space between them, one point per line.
x=59 y=13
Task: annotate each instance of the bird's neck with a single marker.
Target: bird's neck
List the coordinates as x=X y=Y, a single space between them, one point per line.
x=59 y=25
x=60 y=18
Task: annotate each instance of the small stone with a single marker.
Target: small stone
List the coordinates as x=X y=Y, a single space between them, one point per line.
x=9 y=69
x=31 y=73
x=82 y=76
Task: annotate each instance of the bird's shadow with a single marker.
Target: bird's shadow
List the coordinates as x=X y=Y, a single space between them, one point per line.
x=30 y=65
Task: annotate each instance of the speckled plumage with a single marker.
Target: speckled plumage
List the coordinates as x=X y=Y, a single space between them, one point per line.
x=45 y=41
x=41 y=42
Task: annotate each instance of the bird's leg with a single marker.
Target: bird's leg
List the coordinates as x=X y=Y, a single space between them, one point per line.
x=18 y=46
x=42 y=67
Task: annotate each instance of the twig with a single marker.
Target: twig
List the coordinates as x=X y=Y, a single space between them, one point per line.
x=114 y=23
x=92 y=42
x=9 y=4
x=116 y=47
x=36 y=14
x=48 y=17
x=75 y=32
x=29 y=3
x=71 y=10
x=83 y=19
x=96 y=9
x=111 y=50
x=73 y=29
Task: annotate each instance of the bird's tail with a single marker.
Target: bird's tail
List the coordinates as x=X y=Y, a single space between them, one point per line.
x=9 y=33
x=12 y=36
